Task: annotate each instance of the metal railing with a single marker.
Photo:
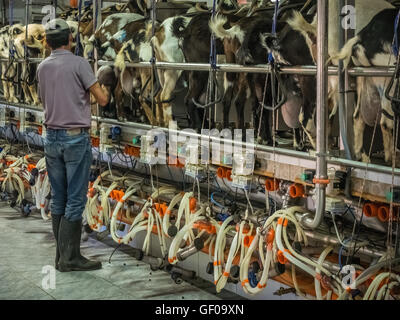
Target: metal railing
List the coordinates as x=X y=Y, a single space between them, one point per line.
x=261 y=68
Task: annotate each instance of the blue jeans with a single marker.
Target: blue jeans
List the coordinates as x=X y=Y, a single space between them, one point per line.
x=68 y=159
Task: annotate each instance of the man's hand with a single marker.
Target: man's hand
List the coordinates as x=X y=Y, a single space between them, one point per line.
x=100 y=93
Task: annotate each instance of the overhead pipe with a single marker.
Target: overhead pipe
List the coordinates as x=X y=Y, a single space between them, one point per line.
x=261 y=68
x=322 y=105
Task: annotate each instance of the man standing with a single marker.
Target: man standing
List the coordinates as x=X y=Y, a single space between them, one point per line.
x=65 y=84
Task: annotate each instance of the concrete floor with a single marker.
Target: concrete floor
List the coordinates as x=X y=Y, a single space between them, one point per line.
x=27 y=245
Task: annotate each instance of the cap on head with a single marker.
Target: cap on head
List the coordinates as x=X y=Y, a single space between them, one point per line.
x=57 y=33
x=56 y=27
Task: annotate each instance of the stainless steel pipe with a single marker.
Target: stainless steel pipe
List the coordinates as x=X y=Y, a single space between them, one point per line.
x=322 y=115
x=261 y=68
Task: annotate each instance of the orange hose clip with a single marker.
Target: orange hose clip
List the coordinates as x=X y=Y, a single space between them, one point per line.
x=246 y=228
x=244 y=282
x=171 y=260
x=207 y=226
x=117 y=195
x=281 y=257
x=247 y=241
x=163 y=209
x=91 y=192
x=269 y=239
x=226 y=274
x=192 y=204
x=321 y=181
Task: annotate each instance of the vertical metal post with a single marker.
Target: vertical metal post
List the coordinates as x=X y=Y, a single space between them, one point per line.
x=10 y=13
x=55 y=5
x=341 y=80
x=3 y=18
x=27 y=5
x=350 y=90
x=322 y=114
x=346 y=98
x=97 y=6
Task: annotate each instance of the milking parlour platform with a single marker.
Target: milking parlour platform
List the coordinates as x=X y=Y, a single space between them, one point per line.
x=252 y=204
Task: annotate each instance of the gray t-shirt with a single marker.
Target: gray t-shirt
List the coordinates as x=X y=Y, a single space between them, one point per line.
x=64 y=82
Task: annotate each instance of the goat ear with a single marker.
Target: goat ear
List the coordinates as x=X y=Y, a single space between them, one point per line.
x=267 y=40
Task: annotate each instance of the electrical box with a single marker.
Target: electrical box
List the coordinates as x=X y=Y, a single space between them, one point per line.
x=105 y=139
x=242 y=170
x=21 y=121
x=147 y=150
x=334 y=205
x=193 y=165
x=2 y=117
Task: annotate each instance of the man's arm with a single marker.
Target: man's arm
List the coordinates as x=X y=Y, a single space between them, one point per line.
x=89 y=82
x=100 y=93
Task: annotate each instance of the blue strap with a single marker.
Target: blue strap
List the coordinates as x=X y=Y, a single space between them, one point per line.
x=274 y=23
x=395 y=44
x=213 y=49
x=77 y=40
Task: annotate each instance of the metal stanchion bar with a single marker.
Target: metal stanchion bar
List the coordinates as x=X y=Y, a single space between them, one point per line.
x=303 y=70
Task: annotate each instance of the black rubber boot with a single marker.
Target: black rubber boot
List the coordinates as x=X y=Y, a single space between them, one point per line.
x=69 y=241
x=55 y=221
